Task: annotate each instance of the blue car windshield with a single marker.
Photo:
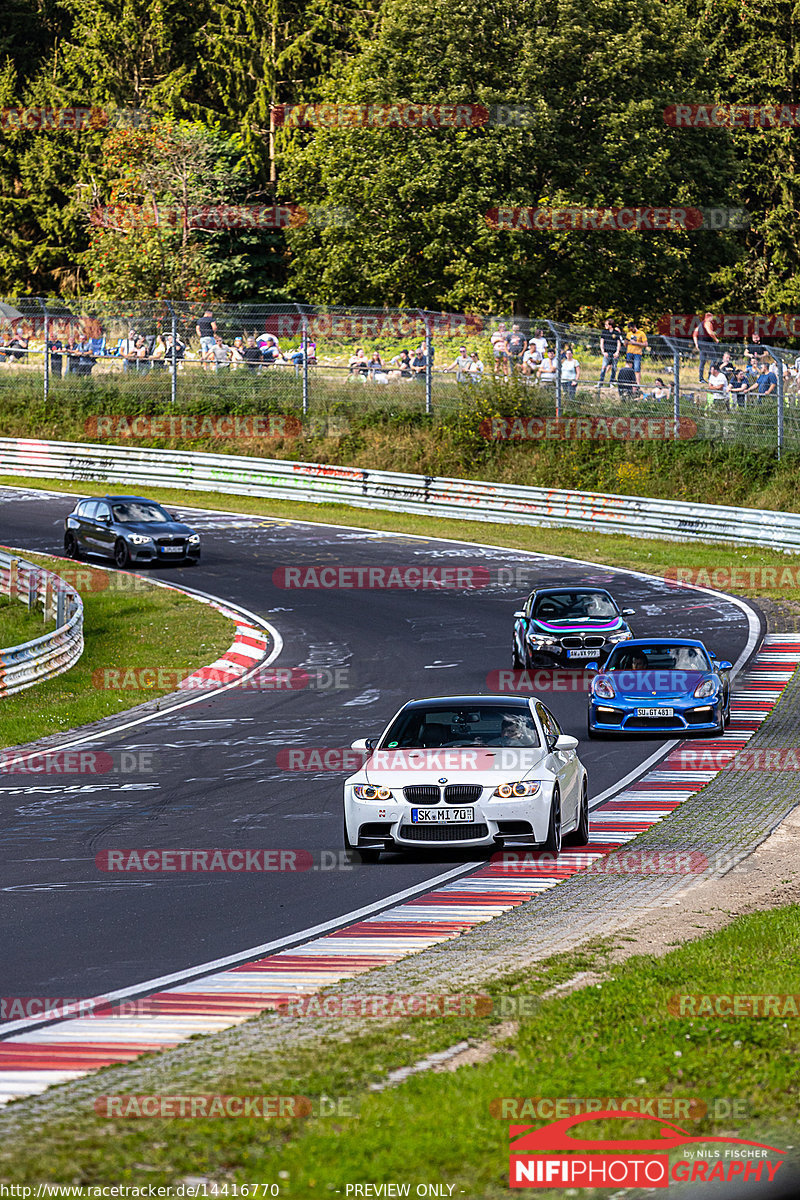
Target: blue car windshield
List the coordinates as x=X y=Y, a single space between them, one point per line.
x=580 y=605
x=658 y=658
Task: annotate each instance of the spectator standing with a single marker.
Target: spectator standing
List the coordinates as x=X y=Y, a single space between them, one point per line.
x=419 y=364
x=767 y=384
x=55 y=347
x=546 y=374
x=757 y=351
x=717 y=385
x=206 y=327
x=740 y=386
x=517 y=346
x=727 y=366
x=460 y=365
x=159 y=355
x=610 y=347
x=570 y=373
x=127 y=351
x=499 y=341
x=705 y=339
x=252 y=355
x=637 y=344
x=539 y=342
x=475 y=367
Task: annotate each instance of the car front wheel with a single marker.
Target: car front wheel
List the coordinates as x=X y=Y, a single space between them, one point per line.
x=580 y=836
x=122 y=555
x=71 y=547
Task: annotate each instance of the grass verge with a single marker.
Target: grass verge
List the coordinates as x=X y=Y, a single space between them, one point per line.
x=18 y=624
x=140 y=626
x=614 y=1040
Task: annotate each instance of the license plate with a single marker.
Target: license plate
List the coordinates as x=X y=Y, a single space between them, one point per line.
x=439 y=816
x=583 y=653
x=171 y=549
x=654 y=712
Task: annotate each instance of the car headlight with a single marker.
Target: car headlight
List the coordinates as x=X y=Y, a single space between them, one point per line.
x=604 y=688
x=138 y=539
x=706 y=688
x=365 y=791
x=194 y=539
x=542 y=639
x=507 y=791
x=620 y=637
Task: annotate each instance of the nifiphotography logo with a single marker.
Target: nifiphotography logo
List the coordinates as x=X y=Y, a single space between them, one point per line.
x=555 y=1157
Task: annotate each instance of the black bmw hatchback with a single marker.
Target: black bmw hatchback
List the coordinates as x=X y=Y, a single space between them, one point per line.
x=129 y=529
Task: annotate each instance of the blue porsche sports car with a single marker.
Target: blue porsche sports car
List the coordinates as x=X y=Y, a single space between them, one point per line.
x=664 y=685
x=568 y=626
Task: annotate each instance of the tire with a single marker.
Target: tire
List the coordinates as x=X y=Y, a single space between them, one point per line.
x=122 y=555
x=580 y=836
x=516 y=661
x=553 y=842
x=719 y=729
x=71 y=547
x=369 y=855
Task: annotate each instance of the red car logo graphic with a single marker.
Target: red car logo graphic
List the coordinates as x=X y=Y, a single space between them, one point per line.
x=556 y=1136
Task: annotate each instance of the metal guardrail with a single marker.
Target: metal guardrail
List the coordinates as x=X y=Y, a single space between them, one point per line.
x=468 y=499
x=53 y=653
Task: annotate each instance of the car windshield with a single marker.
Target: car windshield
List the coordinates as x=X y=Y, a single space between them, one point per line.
x=469 y=726
x=134 y=511
x=580 y=605
x=659 y=658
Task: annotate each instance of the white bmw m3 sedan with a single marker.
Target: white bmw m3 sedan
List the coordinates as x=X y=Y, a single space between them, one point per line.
x=471 y=771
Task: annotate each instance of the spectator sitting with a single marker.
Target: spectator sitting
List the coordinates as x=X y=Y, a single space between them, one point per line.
x=570 y=373
x=72 y=350
x=270 y=348
x=252 y=355
x=310 y=354
x=237 y=353
x=419 y=363
x=460 y=365
x=180 y=348
x=627 y=383
x=127 y=351
x=159 y=354
x=660 y=391
x=358 y=364
x=531 y=359
x=739 y=388
x=141 y=356
x=85 y=359
x=376 y=371
x=18 y=346
x=220 y=354
x=402 y=364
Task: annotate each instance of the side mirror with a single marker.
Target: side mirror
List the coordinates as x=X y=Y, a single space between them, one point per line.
x=106 y=519
x=566 y=742
x=592 y=666
x=724 y=665
x=517 y=615
x=629 y=612
x=363 y=744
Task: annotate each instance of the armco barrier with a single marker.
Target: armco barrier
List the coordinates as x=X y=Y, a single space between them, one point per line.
x=467 y=499
x=32 y=662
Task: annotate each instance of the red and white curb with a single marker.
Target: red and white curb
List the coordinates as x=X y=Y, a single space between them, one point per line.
x=247 y=650
x=32 y=1061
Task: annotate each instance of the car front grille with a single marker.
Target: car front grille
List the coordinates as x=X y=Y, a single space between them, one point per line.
x=171 y=541
x=422 y=793
x=589 y=641
x=460 y=792
x=443 y=833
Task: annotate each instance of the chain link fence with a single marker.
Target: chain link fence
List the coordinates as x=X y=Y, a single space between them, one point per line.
x=325 y=364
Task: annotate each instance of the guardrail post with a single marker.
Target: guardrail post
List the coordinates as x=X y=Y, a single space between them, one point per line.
x=779 y=373
x=33 y=590
x=13 y=578
x=428 y=364
x=304 y=347
x=676 y=376
x=60 y=608
x=48 y=598
x=558 y=376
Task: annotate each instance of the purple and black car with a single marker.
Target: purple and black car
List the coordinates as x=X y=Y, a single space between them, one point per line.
x=568 y=626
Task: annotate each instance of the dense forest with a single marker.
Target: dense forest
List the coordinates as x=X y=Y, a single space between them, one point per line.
x=120 y=120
